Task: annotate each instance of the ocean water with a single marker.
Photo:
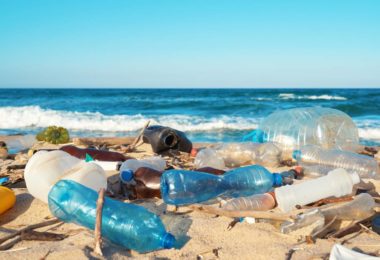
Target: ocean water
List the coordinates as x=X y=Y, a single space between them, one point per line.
x=205 y=115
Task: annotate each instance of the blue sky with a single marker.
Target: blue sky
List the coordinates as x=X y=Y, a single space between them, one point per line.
x=189 y=43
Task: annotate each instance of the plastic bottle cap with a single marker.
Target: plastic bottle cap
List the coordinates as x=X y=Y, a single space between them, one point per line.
x=126 y=176
x=296 y=154
x=277 y=179
x=168 y=241
x=376 y=224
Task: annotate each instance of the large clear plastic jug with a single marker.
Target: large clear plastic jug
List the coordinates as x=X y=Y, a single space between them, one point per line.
x=293 y=128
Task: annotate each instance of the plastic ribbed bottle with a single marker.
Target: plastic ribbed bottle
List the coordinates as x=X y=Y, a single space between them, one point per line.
x=181 y=187
x=365 y=166
x=292 y=128
x=258 y=202
x=336 y=183
x=128 y=225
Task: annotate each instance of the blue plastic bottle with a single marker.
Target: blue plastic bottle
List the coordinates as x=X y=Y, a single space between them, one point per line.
x=180 y=187
x=129 y=225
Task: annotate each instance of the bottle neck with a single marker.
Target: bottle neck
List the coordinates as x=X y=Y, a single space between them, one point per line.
x=277 y=180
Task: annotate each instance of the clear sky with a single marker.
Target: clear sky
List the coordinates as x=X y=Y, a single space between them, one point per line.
x=189 y=43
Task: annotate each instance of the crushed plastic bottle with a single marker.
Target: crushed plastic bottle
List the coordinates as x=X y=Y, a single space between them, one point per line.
x=128 y=225
x=181 y=187
x=233 y=155
x=336 y=183
x=44 y=169
x=323 y=160
x=258 y=202
x=293 y=128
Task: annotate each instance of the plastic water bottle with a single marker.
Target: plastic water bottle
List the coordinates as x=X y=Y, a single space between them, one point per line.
x=292 y=128
x=365 y=166
x=18 y=143
x=258 y=202
x=181 y=187
x=336 y=183
x=128 y=225
x=238 y=154
x=44 y=169
x=128 y=167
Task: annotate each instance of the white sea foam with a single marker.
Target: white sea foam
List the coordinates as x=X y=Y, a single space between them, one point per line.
x=311 y=97
x=35 y=116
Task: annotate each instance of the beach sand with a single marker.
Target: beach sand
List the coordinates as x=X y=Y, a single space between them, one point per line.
x=197 y=234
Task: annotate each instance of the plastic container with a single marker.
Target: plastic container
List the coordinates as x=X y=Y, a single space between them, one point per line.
x=44 y=169
x=258 y=202
x=128 y=225
x=130 y=166
x=365 y=166
x=293 y=128
x=234 y=155
x=361 y=207
x=336 y=183
x=180 y=187
x=7 y=199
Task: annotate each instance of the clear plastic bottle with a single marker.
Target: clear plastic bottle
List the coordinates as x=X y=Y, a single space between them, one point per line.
x=292 y=128
x=128 y=225
x=361 y=207
x=365 y=166
x=336 y=183
x=235 y=155
x=18 y=143
x=155 y=162
x=208 y=157
x=258 y=202
x=181 y=187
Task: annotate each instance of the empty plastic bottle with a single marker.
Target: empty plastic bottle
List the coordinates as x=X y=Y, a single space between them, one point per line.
x=128 y=225
x=44 y=169
x=238 y=154
x=258 y=202
x=208 y=157
x=130 y=166
x=181 y=187
x=361 y=207
x=365 y=166
x=292 y=128
x=336 y=183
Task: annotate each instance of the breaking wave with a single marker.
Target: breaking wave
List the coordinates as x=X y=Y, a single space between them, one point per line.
x=37 y=117
x=310 y=97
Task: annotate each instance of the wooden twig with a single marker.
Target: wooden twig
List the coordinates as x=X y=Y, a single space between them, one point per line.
x=98 y=225
x=238 y=214
x=30 y=227
x=133 y=145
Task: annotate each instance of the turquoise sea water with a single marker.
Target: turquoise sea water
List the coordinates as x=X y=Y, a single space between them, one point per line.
x=205 y=115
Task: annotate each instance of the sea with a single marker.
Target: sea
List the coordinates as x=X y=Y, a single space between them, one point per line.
x=205 y=115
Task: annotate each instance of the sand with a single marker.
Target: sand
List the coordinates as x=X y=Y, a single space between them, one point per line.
x=197 y=234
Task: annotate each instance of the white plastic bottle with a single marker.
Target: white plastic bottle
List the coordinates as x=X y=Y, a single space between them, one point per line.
x=336 y=183
x=128 y=167
x=44 y=169
x=322 y=159
x=292 y=128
